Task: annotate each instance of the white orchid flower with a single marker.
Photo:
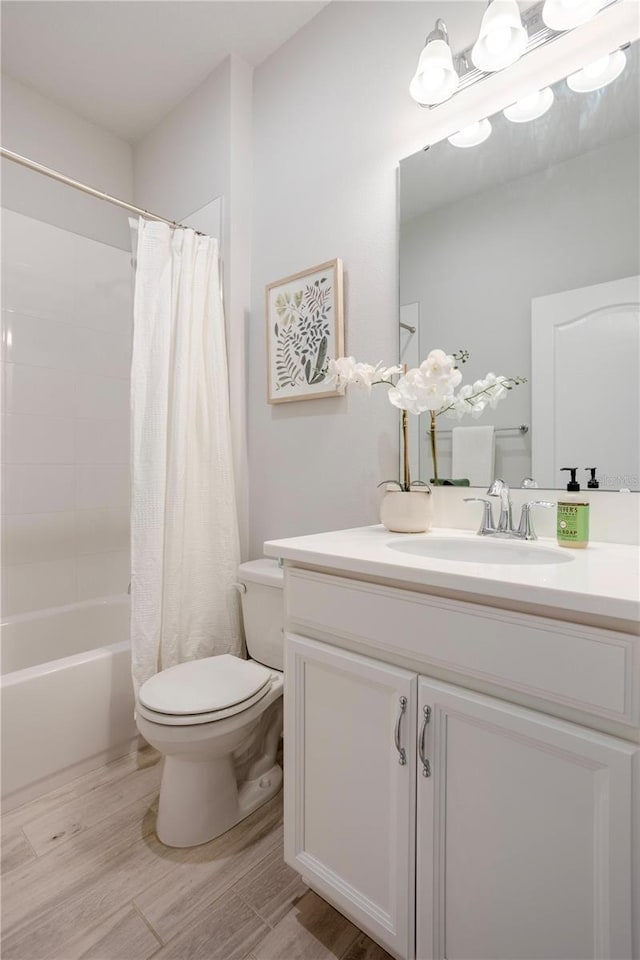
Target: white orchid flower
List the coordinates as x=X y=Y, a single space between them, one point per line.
x=459 y=407
x=498 y=393
x=365 y=374
x=385 y=373
x=346 y=370
x=441 y=366
x=341 y=371
x=431 y=386
x=416 y=392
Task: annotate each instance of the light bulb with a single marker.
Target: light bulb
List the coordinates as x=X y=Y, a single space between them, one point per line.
x=498 y=40
x=472 y=135
x=598 y=74
x=502 y=39
x=562 y=15
x=432 y=78
x=597 y=68
x=531 y=107
x=435 y=79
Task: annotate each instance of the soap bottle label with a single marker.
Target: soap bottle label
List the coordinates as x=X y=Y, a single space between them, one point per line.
x=573 y=522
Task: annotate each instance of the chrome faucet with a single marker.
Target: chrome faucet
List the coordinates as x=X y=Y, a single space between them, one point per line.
x=487 y=526
x=505 y=528
x=500 y=489
x=525 y=529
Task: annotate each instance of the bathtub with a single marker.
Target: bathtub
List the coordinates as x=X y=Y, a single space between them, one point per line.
x=67 y=699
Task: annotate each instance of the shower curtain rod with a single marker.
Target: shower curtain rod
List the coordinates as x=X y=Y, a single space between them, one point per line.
x=99 y=194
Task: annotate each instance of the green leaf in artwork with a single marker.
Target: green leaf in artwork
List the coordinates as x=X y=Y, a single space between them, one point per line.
x=307 y=371
x=319 y=373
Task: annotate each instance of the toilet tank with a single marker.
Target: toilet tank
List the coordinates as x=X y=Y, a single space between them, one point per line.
x=263 y=611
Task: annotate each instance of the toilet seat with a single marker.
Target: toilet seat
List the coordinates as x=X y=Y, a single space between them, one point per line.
x=203 y=691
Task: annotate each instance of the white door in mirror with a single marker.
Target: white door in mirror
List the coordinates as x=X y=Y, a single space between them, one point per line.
x=576 y=336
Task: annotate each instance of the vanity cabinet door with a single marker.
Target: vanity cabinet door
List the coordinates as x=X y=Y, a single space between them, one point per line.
x=349 y=801
x=523 y=834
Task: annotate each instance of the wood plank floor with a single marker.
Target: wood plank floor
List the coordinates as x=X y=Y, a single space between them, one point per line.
x=84 y=876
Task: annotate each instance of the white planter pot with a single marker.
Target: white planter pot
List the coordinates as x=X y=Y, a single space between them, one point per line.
x=406 y=512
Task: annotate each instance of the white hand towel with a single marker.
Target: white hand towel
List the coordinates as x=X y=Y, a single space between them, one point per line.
x=473 y=452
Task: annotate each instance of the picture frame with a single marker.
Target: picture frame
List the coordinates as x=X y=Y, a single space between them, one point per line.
x=305 y=328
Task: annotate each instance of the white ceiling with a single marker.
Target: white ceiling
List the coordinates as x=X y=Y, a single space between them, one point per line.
x=124 y=65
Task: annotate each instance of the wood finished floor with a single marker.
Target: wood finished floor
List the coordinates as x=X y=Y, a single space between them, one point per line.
x=84 y=876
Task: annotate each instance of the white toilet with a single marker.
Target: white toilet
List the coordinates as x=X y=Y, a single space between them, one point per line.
x=218 y=722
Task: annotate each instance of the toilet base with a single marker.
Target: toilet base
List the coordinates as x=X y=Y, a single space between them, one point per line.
x=200 y=798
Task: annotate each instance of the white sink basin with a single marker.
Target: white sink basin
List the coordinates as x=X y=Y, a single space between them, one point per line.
x=481 y=550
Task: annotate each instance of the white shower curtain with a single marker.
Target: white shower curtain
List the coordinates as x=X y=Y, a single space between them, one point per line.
x=184 y=531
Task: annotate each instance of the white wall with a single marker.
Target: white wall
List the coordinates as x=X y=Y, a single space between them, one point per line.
x=183 y=163
x=202 y=150
x=66 y=334
x=52 y=135
x=332 y=120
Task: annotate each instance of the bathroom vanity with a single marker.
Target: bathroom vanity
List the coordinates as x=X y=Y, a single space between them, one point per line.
x=462 y=770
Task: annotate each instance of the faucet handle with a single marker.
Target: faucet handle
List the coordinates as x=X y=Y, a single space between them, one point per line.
x=487 y=525
x=525 y=528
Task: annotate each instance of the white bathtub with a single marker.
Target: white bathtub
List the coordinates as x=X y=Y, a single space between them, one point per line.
x=67 y=699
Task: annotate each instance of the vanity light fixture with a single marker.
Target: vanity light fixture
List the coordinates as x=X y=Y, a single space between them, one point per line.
x=502 y=39
x=436 y=78
x=530 y=107
x=472 y=135
x=599 y=73
x=505 y=35
x=562 y=15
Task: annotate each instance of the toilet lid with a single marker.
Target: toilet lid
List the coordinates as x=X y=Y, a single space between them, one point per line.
x=204 y=686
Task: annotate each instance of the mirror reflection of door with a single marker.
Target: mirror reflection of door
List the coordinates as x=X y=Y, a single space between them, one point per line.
x=586 y=384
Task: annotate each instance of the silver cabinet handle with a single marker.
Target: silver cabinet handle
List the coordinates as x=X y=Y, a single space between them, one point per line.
x=402 y=753
x=426 y=766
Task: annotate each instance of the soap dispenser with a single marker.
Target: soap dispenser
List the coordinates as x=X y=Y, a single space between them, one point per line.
x=573 y=515
x=593 y=484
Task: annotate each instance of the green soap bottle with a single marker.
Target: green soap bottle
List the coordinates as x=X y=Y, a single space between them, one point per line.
x=573 y=516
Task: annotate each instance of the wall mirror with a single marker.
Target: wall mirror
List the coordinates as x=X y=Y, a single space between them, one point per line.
x=524 y=250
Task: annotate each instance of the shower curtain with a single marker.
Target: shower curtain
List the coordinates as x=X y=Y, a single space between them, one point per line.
x=184 y=531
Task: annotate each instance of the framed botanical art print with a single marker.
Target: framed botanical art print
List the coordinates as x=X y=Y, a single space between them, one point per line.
x=305 y=328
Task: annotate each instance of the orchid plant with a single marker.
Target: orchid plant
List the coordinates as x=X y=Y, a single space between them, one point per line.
x=431 y=386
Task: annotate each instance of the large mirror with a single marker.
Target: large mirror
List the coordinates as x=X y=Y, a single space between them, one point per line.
x=524 y=251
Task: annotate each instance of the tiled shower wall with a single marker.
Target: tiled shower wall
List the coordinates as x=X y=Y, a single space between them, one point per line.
x=66 y=340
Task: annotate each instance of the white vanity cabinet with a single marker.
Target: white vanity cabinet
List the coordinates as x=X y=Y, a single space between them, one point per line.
x=349 y=801
x=523 y=834
x=517 y=843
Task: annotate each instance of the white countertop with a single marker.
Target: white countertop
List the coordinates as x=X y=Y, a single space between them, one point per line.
x=603 y=580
